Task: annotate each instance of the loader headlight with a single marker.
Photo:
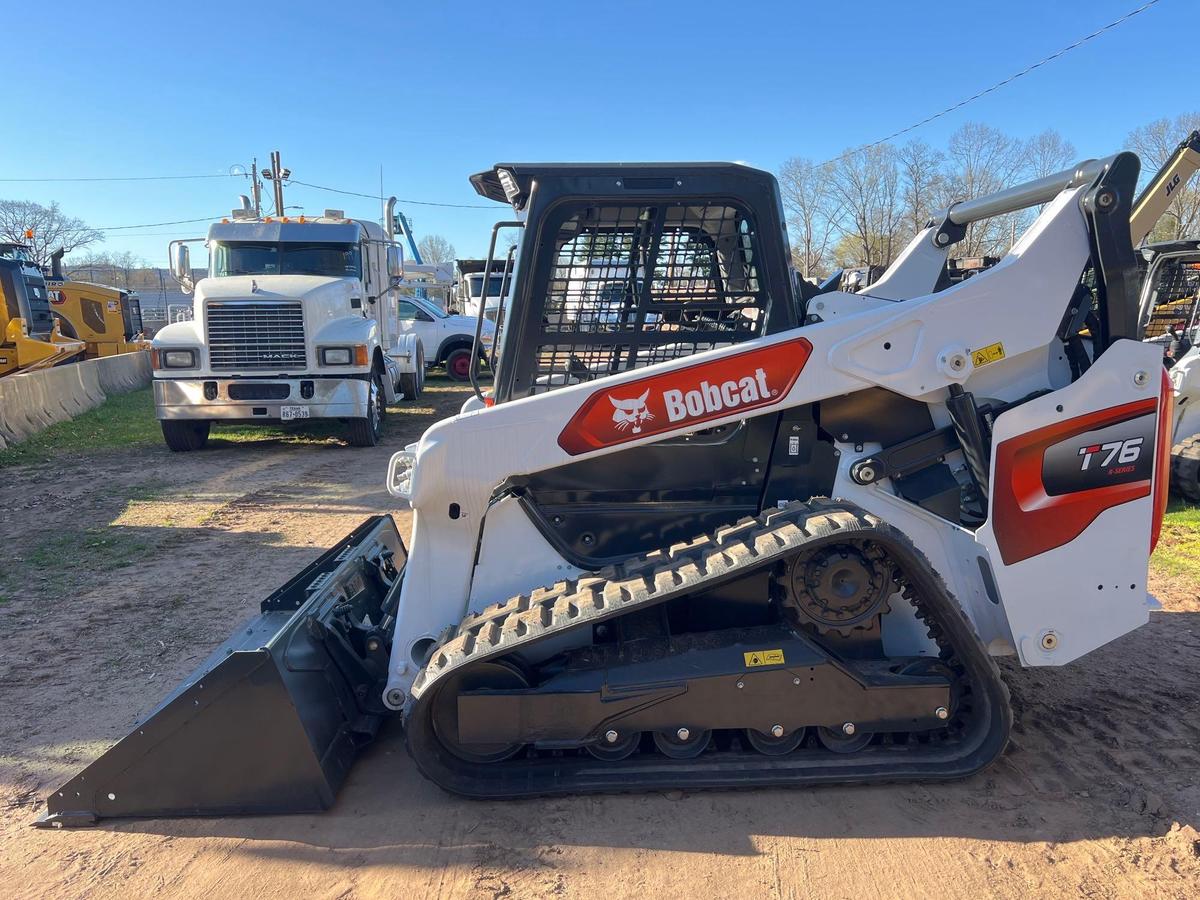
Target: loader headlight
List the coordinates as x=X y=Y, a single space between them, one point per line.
x=174 y=359
x=336 y=356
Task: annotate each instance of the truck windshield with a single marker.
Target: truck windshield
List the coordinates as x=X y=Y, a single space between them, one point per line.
x=334 y=260
x=494 y=285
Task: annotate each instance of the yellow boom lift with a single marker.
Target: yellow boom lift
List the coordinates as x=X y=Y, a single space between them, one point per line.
x=1174 y=175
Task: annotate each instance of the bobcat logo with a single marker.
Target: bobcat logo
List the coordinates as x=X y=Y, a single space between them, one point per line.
x=631 y=414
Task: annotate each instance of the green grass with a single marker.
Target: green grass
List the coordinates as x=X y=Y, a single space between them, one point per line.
x=1178 y=553
x=124 y=420
x=61 y=559
x=127 y=420
x=92 y=549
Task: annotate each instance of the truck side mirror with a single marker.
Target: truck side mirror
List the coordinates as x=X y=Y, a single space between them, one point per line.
x=181 y=264
x=395 y=261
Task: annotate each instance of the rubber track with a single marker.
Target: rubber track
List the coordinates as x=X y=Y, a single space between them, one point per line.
x=1185 y=468
x=656 y=577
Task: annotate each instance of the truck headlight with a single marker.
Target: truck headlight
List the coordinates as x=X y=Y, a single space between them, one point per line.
x=336 y=356
x=174 y=359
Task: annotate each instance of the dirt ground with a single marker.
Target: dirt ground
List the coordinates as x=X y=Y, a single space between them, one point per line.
x=121 y=570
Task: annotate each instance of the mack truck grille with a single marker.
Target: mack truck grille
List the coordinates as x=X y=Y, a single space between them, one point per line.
x=256 y=336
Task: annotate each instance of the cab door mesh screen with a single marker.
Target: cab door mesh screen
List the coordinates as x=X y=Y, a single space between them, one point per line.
x=1175 y=302
x=634 y=285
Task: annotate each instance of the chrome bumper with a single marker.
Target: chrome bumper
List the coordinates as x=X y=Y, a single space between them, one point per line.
x=332 y=398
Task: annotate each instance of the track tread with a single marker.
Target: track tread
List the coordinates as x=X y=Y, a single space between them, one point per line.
x=652 y=578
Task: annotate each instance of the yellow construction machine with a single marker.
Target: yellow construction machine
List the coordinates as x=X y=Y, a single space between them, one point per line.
x=107 y=319
x=1174 y=175
x=30 y=337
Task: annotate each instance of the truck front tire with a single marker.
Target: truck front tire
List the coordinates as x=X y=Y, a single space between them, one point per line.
x=366 y=431
x=183 y=435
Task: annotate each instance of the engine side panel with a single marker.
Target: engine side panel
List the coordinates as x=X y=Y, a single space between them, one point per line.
x=1069 y=548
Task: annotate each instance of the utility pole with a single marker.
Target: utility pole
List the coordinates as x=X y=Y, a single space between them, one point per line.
x=276 y=175
x=255 y=188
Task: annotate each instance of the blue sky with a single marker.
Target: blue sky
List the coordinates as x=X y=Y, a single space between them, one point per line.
x=435 y=91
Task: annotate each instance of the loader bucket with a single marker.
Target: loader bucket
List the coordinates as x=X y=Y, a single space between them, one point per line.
x=272 y=720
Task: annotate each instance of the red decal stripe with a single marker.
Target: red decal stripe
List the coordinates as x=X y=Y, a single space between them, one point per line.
x=687 y=397
x=1162 y=464
x=1028 y=521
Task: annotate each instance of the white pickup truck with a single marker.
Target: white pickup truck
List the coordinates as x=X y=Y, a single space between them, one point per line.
x=296 y=319
x=446 y=339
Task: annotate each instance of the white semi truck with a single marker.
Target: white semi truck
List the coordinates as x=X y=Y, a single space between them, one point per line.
x=295 y=319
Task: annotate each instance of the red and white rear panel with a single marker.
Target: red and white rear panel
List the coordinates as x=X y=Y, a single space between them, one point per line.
x=1077 y=488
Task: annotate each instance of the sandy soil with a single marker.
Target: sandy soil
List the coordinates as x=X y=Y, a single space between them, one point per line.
x=1096 y=797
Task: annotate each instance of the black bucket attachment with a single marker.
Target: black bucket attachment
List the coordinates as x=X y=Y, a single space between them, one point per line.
x=272 y=720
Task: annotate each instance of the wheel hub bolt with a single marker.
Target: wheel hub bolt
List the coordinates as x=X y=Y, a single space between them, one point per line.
x=611 y=736
x=848 y=729
x=777 y=731
x=683 y=734
x=942 y=713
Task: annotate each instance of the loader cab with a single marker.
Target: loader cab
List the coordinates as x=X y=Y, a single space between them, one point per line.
x=1169 y=305
x=624 y=266
x=24 y=290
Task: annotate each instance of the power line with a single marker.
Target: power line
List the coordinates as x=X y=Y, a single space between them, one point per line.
x=320 y=187
x=999 y=84
x=124 y=178
x=156 y=224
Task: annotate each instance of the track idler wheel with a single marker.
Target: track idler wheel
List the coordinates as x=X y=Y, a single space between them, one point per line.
x=615 y=745
x=770 y=744
x=495 y=675
x=846 y=739
x=683 y=743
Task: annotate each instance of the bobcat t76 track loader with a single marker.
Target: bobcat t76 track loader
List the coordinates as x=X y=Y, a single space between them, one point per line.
x=712 y=528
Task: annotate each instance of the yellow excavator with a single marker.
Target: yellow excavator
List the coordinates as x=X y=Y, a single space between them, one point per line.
x=107 y=319
x=30 y=337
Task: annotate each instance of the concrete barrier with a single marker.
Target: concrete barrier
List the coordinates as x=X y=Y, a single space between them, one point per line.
x=125 y=372
x=89 y=379
x=31 y=402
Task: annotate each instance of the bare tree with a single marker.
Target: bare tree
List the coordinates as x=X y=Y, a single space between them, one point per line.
x=121 y=268
x=866 y=184
x=43 y=229
x=1047 y=153
x=1154 y=143
x=983 y=159
x=436 y=249
x=924 y=189
x=812 y=212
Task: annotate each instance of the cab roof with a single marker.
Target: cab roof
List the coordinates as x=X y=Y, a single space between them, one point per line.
x=514 y=182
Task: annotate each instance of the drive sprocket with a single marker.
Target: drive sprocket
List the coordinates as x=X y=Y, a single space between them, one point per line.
x=840 y=587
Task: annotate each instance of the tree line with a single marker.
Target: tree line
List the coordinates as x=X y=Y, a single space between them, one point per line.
x=864 y=206
x=859 y=209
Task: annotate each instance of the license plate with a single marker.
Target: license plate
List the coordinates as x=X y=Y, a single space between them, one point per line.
x=287 y=413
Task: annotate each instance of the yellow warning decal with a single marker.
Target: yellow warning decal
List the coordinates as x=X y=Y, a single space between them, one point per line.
x=989 y=354
x=763 y=658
